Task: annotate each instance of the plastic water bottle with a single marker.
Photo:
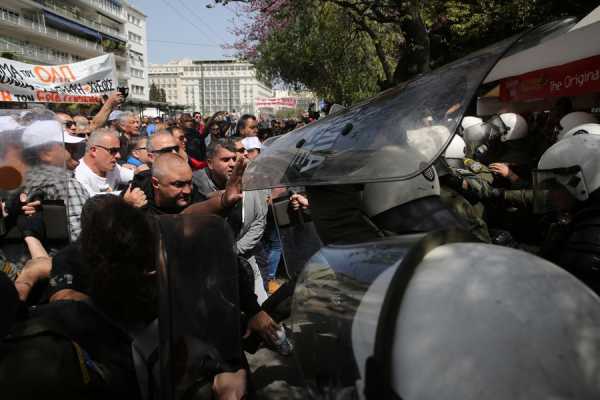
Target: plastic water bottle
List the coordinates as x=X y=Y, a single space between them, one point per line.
x=282 y=344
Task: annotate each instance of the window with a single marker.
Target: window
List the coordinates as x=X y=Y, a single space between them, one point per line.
x=134 y=20
x=137 y=73
x=134 y=37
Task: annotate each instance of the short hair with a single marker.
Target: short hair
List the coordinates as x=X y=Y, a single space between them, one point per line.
x=135 y=141
x=99 y=134
x=164 y=163
x=124 y=116
x=244 y=118
x=214 y=145
x=161 y=133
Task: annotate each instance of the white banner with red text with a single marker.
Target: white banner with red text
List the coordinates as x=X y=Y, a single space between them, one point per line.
x=81 y=82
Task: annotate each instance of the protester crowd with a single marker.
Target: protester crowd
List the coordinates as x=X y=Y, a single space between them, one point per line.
x=97 y=280
x=113 y=173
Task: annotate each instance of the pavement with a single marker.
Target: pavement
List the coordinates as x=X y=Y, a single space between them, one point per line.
x=274 y=376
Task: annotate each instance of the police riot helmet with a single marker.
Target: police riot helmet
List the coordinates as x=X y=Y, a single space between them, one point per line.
x=584 y=129
x=572 y=120
x=382 y=196
x=478 y=321
x=512 y=126
x=569 y=168
x=456 y=148
x=476 y=132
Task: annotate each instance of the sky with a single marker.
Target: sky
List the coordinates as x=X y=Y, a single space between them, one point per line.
x=186 y=29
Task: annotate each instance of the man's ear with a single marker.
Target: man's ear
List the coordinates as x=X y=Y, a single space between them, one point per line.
x=155 y=182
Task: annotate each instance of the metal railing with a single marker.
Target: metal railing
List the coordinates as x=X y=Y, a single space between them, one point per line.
x=110 y=10
x=65 y=12
x=50 y=32
x=34 y=53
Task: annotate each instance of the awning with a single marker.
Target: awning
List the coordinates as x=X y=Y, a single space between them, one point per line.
x=62 y=23
x=573 y=42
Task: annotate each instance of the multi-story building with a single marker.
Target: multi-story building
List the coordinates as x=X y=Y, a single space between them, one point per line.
x=209 y=86
x=65 y=31
x=138 y=53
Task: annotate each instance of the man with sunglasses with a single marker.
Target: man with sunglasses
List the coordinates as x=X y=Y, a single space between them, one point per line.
x=98 y=170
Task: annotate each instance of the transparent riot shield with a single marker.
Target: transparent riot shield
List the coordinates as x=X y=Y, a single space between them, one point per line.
x=326 y=299
x=298 y=236
x=199 y=316
x=345 y=148
x=33 y=163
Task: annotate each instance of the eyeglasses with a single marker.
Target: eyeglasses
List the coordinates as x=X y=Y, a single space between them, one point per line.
x=140 y=148
x=164 y=150
x=241 y=150
x=113 y=151
x=69 y=124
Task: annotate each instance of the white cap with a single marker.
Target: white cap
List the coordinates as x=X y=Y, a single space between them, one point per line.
x=114 y=115
x=251 y=143
x=8 y=123
x=44 y=132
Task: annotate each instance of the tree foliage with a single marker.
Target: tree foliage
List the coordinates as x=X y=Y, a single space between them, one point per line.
x=345 y=50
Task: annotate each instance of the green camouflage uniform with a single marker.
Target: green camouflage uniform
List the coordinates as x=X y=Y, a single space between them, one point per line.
x=472 y=215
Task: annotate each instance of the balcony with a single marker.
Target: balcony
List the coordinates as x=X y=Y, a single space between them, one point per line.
x=50 y=33
x=34 y=54
x=67 y=13
x=107 y=6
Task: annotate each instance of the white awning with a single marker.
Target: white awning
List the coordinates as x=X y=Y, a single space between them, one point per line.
x=579 y=42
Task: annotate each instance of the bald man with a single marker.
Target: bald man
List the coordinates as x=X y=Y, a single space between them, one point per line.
x=171 y=184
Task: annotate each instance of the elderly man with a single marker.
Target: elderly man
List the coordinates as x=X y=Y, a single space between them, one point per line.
x=43 y=149
x=98 y=170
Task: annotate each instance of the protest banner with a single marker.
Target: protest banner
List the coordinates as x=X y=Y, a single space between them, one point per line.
x=81 y=82
x=285 y=102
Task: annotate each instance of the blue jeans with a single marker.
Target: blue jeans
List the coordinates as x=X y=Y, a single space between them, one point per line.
x=273 y=250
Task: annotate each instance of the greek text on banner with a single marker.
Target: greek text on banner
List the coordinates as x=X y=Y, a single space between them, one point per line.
x=81 y=82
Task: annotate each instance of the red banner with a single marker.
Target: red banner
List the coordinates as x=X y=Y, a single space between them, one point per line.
x=288 y=102
x=572 y=79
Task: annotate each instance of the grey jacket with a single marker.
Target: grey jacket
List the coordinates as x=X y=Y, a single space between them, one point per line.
x=254 y=211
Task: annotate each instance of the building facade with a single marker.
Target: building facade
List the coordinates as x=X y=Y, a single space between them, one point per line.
x=51 y=32
x=138 y=53
x=210 y=86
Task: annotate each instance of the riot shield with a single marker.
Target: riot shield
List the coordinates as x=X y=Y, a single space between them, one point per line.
x=33 y=161
x=344 y=148
x=327 y=296
x=298 y=236
x=199 y=316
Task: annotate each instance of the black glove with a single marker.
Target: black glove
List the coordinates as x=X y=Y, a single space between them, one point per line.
x=32 y=225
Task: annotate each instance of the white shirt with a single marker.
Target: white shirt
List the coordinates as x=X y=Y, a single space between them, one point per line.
x=96 y=184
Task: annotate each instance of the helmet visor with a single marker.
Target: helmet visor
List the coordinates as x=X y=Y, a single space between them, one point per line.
x=557 y=189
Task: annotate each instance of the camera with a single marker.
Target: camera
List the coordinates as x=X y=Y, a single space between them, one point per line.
x=124 y=91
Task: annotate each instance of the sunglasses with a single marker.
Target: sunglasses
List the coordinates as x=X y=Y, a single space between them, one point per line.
x=69 y=124
x=113 y=151
x=165 y=150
